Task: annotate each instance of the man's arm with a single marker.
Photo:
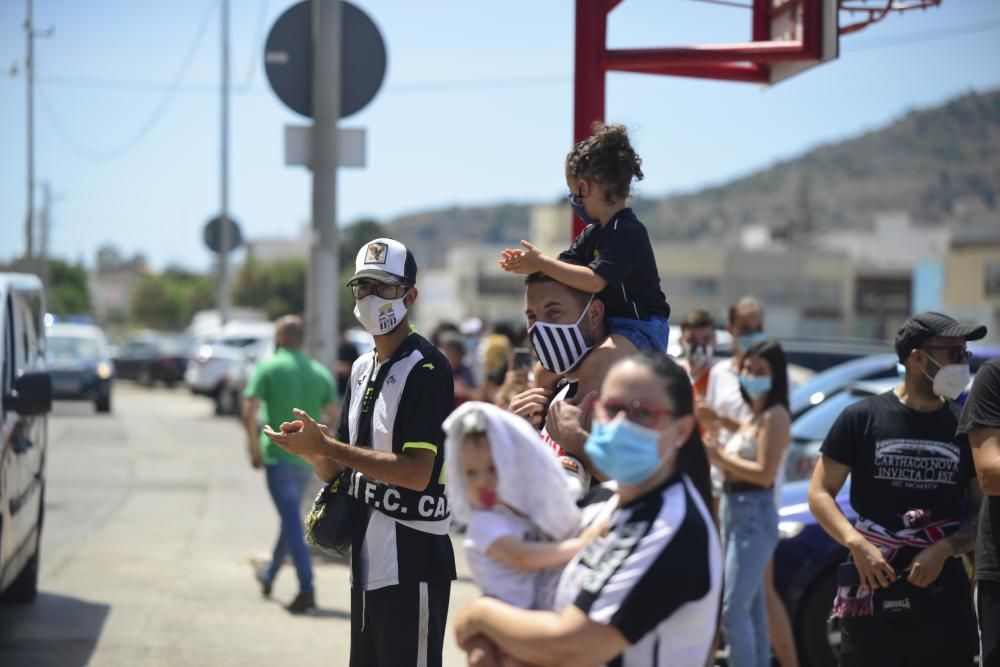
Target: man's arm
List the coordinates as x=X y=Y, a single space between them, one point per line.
x=986 y=454
x=249 y=418
x=926 y=566
x=827 y=480
x=411 y=468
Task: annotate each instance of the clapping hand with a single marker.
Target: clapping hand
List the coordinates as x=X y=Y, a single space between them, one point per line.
x=303 y=437
x=523 y=262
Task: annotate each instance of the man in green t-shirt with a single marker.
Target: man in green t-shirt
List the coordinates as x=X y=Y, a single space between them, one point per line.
x=289 y=379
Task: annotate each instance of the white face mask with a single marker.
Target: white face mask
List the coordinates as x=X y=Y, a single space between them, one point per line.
x=951 y=380
x=379 y=316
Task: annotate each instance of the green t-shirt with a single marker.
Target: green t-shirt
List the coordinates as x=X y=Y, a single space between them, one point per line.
x=289 y=379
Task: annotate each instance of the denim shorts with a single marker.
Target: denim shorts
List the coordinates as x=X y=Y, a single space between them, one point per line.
x=646 y=335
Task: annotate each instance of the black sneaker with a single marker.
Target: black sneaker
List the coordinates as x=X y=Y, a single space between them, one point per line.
x=303 y=603
x=265 y=585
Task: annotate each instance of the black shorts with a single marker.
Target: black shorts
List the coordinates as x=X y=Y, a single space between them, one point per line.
x=399 y=626
x=988 y=607
x=943 y=634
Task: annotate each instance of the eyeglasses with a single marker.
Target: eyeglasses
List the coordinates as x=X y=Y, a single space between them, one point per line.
x=641 y=413
x=957 y=354
x=382 y=290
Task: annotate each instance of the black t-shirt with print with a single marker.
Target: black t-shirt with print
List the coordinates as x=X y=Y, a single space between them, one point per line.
x=982 y=410
x=901 y=459
x=620 y=252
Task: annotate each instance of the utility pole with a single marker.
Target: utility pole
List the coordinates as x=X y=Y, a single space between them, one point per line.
x=322 y=281
x=29 y=68
x=224 y=171
x=45 y=222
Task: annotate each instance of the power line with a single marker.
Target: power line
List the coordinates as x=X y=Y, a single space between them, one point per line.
x=256 y=50
x=92 y=153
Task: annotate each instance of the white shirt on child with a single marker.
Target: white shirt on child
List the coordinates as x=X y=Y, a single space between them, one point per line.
x=521 y=588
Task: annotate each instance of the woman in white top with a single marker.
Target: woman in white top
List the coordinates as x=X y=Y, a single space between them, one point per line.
x=750 y=462
x=647 y=593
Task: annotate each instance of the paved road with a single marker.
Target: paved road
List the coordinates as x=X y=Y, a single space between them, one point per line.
x=152 y=517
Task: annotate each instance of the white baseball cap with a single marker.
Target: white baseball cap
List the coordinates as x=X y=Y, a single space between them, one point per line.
x=385 y=260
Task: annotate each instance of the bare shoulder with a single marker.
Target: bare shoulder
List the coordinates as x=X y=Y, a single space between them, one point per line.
x=776 y=416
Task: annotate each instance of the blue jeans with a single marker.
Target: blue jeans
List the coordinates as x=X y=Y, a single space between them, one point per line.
x=287 y=483
x=651 y=334
x=749 y=535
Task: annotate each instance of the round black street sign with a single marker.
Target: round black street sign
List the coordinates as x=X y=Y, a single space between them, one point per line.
x=213 y=235
x=288 y=58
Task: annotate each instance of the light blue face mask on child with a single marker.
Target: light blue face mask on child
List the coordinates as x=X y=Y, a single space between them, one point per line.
x=623 y=450
x=580 y=211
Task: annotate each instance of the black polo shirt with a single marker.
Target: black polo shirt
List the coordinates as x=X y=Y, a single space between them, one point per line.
x=621 y=253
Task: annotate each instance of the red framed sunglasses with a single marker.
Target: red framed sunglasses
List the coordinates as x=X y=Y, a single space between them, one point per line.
x=635 y=411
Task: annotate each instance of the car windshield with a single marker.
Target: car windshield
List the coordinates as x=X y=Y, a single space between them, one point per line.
x=74 y=347
x=815 y=424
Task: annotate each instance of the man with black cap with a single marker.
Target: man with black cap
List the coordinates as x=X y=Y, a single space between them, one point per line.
x=390 y=436
x=903 y=598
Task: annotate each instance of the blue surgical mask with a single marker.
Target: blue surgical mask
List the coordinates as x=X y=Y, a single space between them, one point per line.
x=623 y=450
x=756 y=386
x=580 y=211
x=748 y=340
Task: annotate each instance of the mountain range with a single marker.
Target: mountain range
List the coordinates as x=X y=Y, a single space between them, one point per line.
x=940 y=165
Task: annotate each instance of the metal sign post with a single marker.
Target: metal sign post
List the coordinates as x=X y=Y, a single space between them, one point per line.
x=322 y=288
x=324 y=59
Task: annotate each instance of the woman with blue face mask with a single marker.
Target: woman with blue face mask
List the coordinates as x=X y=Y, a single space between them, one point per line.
x=751 y=463
x=647 y=592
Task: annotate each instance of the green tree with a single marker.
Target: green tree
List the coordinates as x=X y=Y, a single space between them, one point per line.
x=168 y=300
x=153 y=306
x=68 y=292
x=277 y=288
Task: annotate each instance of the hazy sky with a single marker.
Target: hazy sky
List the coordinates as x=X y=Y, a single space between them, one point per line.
x=476 y=109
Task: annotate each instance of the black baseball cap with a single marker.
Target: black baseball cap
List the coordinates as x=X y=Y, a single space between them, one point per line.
x=917 y=330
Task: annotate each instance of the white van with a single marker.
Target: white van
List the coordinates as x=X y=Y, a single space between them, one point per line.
x=25 y=399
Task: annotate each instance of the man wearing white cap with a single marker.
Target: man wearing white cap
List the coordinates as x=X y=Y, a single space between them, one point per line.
x=390 y=436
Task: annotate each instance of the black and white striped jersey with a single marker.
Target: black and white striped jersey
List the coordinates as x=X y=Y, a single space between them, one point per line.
x=416 y=395
x=656 y=577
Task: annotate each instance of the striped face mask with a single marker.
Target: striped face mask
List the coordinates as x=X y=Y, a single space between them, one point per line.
x=559 y=347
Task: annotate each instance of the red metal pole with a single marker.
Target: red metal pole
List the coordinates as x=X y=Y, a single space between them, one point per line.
x=589 y=73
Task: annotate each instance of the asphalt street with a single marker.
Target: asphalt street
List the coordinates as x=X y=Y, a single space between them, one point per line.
x=153 y=516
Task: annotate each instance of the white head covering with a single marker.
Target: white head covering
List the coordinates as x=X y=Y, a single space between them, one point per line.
x=529 y=478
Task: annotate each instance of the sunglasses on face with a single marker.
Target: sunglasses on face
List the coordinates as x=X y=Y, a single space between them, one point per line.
x=956 y=353
x=381 y=290
x=641 y=413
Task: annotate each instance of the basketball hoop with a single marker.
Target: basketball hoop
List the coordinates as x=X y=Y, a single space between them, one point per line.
x=876 y=14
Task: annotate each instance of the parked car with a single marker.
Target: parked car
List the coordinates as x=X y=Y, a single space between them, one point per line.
x=80 y=364
x=831 y=381
x=25 y=399
x=216 y=359
x=153 y=358
x=805 y=573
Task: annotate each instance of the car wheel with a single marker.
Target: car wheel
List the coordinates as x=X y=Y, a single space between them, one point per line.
x=171 y=384
x=103 y=403
x=145 y=377
x=24 y=588
x=818 y=633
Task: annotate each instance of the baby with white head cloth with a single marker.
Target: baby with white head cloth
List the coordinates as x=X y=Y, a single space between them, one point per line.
x=509 y=489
